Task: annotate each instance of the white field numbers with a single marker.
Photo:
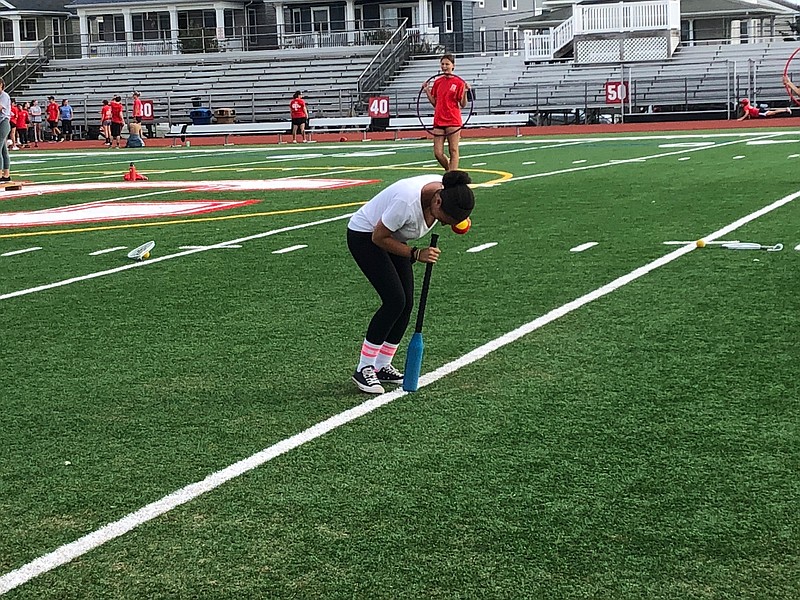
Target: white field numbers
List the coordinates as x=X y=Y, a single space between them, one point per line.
x=378 y=107
x=616 y=92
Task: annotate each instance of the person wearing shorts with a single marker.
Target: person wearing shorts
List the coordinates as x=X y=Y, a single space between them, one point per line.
x=299 y=114
x=117 y=120
x=52 y=118
x=755 y=112
x=105 y=122
x=447 y=95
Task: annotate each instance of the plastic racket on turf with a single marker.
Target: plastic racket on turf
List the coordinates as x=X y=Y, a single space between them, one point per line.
x=470 y=99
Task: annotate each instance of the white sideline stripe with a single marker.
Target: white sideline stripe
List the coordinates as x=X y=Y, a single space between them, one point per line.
x=685 y=158
x=107 y=250
x=26 y=250
x=738 y=157
x=204 y=247
x=482 y=247
x=797 y=247
x=290 y=249
x=93 y=540
x=153 y=261
x=583 y=247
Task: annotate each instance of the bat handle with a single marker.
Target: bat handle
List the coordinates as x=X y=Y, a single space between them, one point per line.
x=426 y=282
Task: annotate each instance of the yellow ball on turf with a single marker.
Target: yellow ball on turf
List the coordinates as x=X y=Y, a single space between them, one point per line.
x=701 y=243
x=145 y=256
x=463 y=227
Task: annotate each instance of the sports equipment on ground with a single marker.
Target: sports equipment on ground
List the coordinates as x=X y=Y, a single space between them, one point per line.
x=416 y=347
x=142 y=252
x=463 y=227
x=752 y=246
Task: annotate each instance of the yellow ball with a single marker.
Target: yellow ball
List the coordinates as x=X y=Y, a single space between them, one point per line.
x=701 y=243
x=463 y=227
x=145 y=256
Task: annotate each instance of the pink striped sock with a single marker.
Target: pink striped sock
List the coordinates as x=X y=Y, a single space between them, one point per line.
x=386 y=355
x=369 y=354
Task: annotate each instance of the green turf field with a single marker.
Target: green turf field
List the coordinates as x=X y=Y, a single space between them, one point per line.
x=640 y=440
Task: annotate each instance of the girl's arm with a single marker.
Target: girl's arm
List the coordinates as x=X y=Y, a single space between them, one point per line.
x=382 y=237
x=788 y=82
x=463 y=100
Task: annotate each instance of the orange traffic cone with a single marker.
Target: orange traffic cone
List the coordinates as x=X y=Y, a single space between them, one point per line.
x=134 y=175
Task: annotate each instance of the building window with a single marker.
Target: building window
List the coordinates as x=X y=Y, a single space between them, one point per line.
x=150 y=26
x=28 y=30
x=513 y=4
x=482 y=38
x=7 y=31
x=448 y=17
x=57 y=32
x=481 y=3
x=505 y=5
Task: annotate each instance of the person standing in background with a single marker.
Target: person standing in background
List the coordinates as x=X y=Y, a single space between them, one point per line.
x=52 y=118
x=299 y=114
x=5 y=130
x=36 y=121
x=65 y=110
x=117 y=120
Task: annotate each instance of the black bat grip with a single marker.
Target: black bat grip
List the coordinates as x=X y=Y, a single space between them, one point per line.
x=426 y=282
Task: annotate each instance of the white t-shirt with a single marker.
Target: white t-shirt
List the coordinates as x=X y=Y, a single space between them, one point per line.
x=399 y=208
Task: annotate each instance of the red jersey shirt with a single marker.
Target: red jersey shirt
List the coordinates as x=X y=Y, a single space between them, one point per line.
x=105 y=112
x=137 y=108
x=448 y=92
x=14 y=115
x=22 y=118
x=298 y=108
x=52 y=111
x=752 y=110
x=116 y=112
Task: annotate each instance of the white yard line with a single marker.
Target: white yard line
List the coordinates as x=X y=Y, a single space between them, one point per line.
x=583 y=247
x=89 y=542
x=482 y=247
x=25 y=251
x=290 y=249
x=152 y=261
x=107 y=250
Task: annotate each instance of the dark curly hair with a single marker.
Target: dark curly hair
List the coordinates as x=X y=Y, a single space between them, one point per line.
x=457 y=197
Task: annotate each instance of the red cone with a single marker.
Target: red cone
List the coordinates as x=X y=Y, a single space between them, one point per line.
x=134 y=175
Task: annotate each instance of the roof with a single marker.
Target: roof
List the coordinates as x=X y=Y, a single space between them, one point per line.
x=159 y=3
x=689 y=9
x=34 y=6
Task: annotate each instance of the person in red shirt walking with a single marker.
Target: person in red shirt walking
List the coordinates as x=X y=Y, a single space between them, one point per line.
x=52 y=118
x=117 y=120
x=299 y=113
x=447 y=95
x=754 y=112
x=105 y=122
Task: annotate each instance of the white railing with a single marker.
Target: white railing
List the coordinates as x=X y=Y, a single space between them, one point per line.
x=19 y=49
x=538 y=46
x=627 y=16
x=563 y=34
x=604 y=18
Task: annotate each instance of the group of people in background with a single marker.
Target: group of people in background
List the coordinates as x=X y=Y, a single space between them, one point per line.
x=112 y=120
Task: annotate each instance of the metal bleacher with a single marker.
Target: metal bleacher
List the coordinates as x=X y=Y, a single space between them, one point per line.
x=257 y=85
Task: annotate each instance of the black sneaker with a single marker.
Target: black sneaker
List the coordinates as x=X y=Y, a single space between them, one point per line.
x=389 y=374
x=367 y=381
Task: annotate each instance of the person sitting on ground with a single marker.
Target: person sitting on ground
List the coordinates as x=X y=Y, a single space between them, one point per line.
x=134 y=136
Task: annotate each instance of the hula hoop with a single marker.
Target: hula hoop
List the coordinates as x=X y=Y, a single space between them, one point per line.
x=789 y=90
x=470 y=97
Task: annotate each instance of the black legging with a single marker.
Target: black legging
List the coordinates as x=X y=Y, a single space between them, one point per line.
x=393 y=279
